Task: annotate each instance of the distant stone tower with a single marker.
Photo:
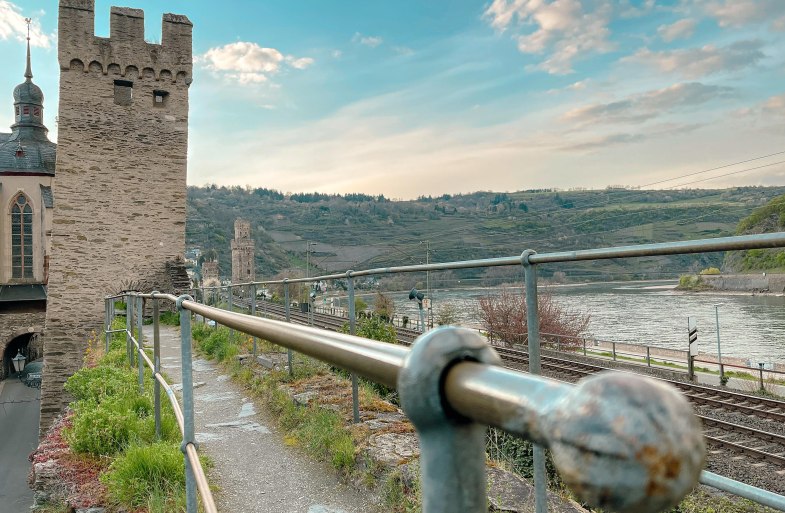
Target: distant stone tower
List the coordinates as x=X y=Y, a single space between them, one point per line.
x=243 y=269
x=119 y=219
x=210 y=274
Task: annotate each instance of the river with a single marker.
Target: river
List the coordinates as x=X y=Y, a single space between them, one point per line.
x=751 y=327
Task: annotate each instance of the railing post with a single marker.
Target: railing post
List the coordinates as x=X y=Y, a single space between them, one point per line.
x=107 y=323
x=533 y=334
x=204 y=302
x=139 y=339
x=352 y=331
x=613 y=348
x=648 y=356
x=231 y=308
x=760 y=366
x=157 y=363
x=188 y=402
x=287 y=309
x=129 y=328
x=452 y=450
x=253 y=313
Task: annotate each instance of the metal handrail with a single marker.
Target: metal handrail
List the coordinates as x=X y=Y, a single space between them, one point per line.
x=736 y=243
x=188 y=447
x=481 y=392
x=455 y=394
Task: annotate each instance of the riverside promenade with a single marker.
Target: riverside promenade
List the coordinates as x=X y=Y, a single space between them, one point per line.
x=253 y=468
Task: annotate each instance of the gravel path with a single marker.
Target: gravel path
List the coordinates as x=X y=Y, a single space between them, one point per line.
x=255 y=471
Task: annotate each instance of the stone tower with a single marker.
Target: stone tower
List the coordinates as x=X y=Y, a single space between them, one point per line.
x=119 y=219
x=243 y=269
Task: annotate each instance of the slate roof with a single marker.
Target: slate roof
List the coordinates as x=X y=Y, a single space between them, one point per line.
x=22 y=293
x=39 y=155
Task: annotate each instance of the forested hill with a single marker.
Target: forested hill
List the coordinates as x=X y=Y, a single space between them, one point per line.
x=357 y=231
x=766 y=219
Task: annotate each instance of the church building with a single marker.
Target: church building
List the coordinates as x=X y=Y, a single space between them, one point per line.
x=27 y=169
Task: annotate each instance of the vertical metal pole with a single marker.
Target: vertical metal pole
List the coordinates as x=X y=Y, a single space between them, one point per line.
x=188 y=402
x=289 y=358
x=760 y=366
x=129 y=327
x=352 y=331
x=422 y=317
x=157 y=363
x=139 y=339
x=108 y=322
x=690 y=363
x=253 y=313
x=613 y=347
x=231 y=309
x=204 y=302
x=648 y=356
x=719 y=351
x=533 y=332
x=584 y=346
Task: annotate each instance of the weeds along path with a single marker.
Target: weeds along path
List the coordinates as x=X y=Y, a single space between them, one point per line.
x=252 y=466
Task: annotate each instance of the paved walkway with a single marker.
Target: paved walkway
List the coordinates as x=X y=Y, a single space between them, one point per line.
x=255 y=470
x=19 y=434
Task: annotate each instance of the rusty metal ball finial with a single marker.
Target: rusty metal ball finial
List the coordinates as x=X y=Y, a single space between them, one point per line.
x=626 y=443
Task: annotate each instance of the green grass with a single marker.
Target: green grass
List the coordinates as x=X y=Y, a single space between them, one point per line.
x=113 y=419
x=150 y=476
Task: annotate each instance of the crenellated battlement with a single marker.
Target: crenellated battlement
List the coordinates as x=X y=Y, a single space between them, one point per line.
x=125 y=50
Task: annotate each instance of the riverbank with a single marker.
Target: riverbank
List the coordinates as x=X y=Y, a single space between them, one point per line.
x=745 y=284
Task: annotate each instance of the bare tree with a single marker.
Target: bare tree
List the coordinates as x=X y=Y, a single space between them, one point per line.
x=503 y=317
x=383 y=306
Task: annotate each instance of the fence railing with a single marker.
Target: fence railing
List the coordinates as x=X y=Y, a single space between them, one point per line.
x=594 y=430
x=195 y=478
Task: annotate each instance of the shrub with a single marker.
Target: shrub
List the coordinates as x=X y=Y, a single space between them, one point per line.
x=150 y=476
x=97 y=383
x=710 y=271
x=503 y=317
x=170 y=318
x=101 y=429
x=383 y=306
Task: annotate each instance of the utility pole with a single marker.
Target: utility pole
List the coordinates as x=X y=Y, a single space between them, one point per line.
x=308 y=246
x=719 y=351
x=428 y=279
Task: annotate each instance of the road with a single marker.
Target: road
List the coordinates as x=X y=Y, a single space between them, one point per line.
x=19 y=437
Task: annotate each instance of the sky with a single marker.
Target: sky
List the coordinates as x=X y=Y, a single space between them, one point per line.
x=427 y=97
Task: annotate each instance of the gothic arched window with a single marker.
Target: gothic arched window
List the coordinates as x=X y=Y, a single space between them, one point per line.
x=21 y=237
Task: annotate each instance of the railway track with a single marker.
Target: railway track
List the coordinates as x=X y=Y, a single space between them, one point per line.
x=756 y=444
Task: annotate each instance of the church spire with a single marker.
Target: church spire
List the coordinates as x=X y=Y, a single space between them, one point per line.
x=29 y=70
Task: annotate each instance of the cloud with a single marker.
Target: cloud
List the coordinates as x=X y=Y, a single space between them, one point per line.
x=13 y=25
x=300 y=63
x=681 y=29
x=562 y=30
x=737 y=13
x=644 y=106
x=617 y=139
x=336 y=54
x=698 y=62
x=774 y=106
x=248 y=63
x=605 y=141
x=372 y=41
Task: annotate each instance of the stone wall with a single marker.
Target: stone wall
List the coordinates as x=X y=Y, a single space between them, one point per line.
x=121 y=174
x=759 y=282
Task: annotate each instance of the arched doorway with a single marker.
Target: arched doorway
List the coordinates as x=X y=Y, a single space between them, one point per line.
x=12 y=347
